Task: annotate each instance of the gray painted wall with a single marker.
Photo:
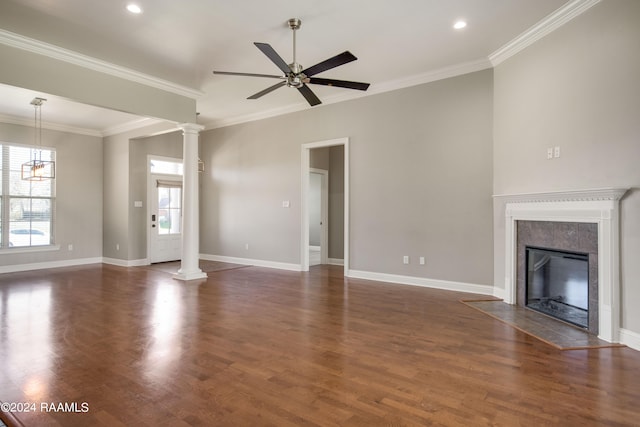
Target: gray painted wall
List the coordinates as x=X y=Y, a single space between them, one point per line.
x=421 y=181
x=577 y=88
x=78 y=194
x=115 y=197
x=122 y=181
x=166 y=145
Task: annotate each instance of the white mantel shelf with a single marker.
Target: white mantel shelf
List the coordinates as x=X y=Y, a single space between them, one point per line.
x=614 y=194
x=600 y=206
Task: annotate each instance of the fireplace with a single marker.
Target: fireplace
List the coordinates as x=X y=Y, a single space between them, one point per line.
x=593 y=213
x=557 y=284
x=561 y=251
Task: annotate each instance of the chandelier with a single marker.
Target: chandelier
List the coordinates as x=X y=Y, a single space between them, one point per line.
x=37 y=169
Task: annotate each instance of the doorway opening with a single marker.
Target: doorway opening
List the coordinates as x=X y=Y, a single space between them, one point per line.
x=326 y=241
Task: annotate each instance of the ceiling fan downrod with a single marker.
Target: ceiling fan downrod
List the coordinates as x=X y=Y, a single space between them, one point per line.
x=295 y=78
x=294 y=24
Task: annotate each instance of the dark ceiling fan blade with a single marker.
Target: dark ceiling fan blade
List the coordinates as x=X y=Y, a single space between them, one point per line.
x=273 y=56
x=330 y=63
x=339 y=83
x=230 y=73
x=308 y=94
x=267 y=90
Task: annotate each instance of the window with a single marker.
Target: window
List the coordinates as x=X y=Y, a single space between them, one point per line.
x=165 y=167
x=26 y=207
x=169 y=208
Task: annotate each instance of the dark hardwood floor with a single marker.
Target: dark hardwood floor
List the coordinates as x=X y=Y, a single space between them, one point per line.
x=257 y=347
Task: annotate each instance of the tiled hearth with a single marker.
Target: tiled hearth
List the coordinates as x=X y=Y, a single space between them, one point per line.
x=600 y=208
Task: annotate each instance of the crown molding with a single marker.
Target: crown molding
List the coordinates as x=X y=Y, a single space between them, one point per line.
x=549 y=24
x=4 y=118
x=374 y=89
x=432 y=76
x=113 y=130
x=41 y=48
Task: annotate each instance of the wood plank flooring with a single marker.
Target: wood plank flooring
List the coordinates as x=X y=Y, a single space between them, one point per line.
x=260 y=347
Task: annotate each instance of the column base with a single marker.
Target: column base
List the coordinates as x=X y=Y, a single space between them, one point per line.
x=190 y=275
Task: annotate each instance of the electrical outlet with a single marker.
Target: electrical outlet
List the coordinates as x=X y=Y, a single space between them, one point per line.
x=556 y=152
x=422 y=260
x=405 y=259
x=117 y=246
x=70 y=247
x=549 y=153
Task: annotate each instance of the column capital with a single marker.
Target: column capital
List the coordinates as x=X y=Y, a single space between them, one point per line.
x=192 y=128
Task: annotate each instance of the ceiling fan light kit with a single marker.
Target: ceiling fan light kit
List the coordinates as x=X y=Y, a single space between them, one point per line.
x=296 y=76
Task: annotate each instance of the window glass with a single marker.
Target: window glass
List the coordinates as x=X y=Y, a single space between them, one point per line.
x=166 y=167
x=27 y=217
x=169 y=210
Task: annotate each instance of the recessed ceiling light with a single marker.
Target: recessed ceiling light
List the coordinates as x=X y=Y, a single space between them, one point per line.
x=459 y=25
x=134 y=8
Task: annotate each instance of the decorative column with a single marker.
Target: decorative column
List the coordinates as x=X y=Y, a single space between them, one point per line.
x=189 y=268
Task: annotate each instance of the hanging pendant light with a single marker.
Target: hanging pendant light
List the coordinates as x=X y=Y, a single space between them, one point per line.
x=37 y=169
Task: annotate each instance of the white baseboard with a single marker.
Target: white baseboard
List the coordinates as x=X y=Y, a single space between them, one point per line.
x=335 y=261
x=49 y=264
x=253 y=262
x=420 y=281
x=630 y=339
x=315 y=248
x=126 y=262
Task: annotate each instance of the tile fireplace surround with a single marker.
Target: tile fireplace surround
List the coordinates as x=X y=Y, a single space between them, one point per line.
x=600 y=207
x=581 y=237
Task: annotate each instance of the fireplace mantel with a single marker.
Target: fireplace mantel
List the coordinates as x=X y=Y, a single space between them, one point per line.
x=600 y=206
x=614 y=194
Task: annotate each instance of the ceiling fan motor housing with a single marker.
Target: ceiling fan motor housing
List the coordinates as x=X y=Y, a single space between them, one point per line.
x=296 y=78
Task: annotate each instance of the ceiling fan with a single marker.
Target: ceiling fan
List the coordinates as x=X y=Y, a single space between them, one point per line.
x=294 y=75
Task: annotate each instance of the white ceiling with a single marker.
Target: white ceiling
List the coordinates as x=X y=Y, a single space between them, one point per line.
x=183 y=41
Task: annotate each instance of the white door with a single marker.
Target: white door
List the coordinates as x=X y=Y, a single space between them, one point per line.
x=165 y=222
